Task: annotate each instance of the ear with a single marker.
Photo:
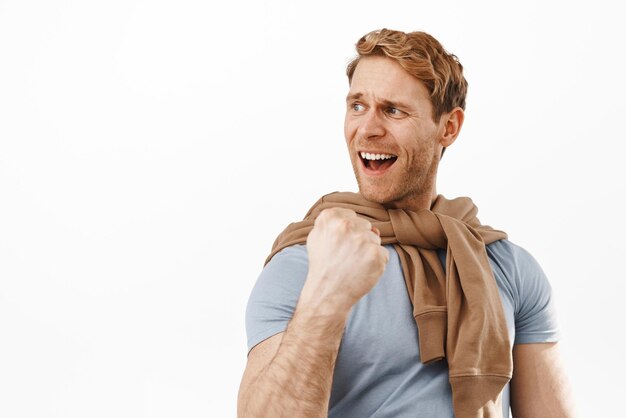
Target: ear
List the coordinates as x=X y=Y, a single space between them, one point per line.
x=452 y=123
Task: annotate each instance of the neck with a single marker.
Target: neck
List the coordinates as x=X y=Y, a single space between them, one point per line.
x=415 y=203
x=421 y=202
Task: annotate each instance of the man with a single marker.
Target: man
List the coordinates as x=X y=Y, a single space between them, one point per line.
x=401 y=304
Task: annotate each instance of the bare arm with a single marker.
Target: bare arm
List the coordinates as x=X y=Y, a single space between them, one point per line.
x=539 y=388
x=290 y=374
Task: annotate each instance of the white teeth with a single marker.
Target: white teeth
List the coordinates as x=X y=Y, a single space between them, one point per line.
x=368 y=156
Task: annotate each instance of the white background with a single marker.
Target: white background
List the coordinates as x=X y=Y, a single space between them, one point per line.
x=150 y=152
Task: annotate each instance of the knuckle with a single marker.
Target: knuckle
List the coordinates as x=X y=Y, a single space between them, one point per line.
x=325 y=216
x=378 y=253
x=343 y=212
x=326 y=213
x=344 y=224
x=332 y=213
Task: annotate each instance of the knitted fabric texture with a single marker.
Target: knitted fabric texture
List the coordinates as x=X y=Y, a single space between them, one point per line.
x=458 y=313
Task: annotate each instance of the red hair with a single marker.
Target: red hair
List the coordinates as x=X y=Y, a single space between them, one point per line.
x=423 y=57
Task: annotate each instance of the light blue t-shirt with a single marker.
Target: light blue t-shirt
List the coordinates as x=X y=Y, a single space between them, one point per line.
x=378 y=372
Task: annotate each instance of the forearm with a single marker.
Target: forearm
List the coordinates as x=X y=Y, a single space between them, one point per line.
x=298 y=380
x=293 y=378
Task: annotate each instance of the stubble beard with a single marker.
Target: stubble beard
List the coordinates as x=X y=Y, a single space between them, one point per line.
x=412 y=183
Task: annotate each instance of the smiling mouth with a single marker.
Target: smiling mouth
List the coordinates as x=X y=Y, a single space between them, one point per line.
x=377 y=162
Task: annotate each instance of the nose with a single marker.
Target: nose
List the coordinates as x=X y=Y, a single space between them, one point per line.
x=372 y=126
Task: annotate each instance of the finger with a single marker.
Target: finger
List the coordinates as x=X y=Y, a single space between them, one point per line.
x=385 y=254
x=341 y=212
x=362 y=223
x=374 y=235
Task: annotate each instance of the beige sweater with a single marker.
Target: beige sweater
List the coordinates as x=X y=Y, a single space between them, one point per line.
x=458 y=313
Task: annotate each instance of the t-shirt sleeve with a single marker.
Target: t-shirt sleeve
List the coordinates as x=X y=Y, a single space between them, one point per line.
x=533 y=299
x=274 y=297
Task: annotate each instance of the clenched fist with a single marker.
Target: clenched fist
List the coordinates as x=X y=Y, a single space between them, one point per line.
x=346 y=260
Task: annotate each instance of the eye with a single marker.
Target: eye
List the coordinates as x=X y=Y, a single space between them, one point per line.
x=357 y=107
x=395 y=112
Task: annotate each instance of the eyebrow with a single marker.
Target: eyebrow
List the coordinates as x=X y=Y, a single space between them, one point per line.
x=354 y=96
x=384 y=102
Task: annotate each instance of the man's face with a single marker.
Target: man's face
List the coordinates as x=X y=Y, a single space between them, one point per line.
x=389 y=117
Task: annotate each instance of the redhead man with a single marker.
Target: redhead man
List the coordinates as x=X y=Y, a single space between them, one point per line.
x=395 y=301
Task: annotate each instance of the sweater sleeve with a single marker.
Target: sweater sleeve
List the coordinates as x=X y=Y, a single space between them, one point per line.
x=274 y=297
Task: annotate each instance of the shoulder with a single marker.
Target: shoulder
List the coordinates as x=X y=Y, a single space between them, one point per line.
x=283 y=275
x=516 y=266
x=512 y=259
x=521 y=277
x=286 y=261
x=275 y=294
